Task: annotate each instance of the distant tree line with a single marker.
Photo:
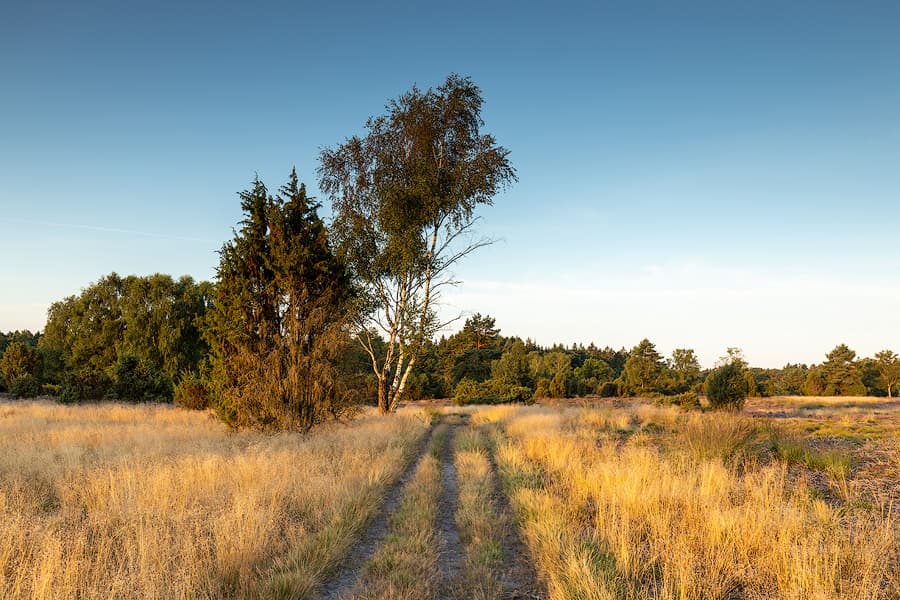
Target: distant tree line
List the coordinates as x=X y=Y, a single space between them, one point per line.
x=158 y=339
x=478 y=364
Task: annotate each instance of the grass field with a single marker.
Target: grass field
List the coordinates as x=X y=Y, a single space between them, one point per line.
x=795 y=498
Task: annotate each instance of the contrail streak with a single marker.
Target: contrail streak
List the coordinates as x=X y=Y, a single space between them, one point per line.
x=109 y=230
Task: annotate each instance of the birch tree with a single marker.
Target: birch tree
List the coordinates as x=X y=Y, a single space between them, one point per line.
x=404 y=198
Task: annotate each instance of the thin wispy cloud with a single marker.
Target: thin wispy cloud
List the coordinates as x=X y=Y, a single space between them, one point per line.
x=120 y=230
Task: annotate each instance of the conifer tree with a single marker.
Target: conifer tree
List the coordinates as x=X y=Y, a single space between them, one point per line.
x=643 y=368
x=278 y=322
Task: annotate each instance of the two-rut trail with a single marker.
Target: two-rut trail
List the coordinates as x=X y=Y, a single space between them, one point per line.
x=518 y=577
x=340 y=584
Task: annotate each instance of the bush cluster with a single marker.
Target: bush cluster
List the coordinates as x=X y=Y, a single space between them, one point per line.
x=27 y=386
x=192 y=392
x=133 y=379
x=491 y=391
x=727 y=387
x=687 y=400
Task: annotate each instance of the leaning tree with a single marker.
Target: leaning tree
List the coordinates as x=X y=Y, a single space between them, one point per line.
x=404 y=199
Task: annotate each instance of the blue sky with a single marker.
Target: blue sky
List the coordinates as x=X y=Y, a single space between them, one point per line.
x=705 y=174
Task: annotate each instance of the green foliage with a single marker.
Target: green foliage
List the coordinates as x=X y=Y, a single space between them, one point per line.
x=51 y=389
x=21 y=362
x=684 y=369
x=790 y=381
x=404 y=199
x=814 y=384
x=427 y=380
x=643 y=369
x=135 y=380
x=474 y=364
x=752 y=387
x=591 y=376
x=84 y=385
x=281 y=307
x=726 y=387
x=558 y=387
x=542 y=388
x=479 y=332
x=491 y=391
x=840 y=375
x=192 y=392
x=24 y=337
x=27 y=386
x=735 y=355
x=155 y=318
x=512 y=366
x=687 y=400
x=888 y=366
x=871 y=377
x=610 y=389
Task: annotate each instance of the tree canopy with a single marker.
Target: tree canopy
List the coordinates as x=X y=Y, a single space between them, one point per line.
x=404 y=198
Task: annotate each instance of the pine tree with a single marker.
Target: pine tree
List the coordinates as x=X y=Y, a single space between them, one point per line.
x=841 y=373
x=281 y=305
x=643 y=368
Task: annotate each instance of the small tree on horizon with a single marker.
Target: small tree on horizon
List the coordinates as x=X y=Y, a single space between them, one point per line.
x=643 y=368
x=727 y=387
x=840 y=373
x=888 y=364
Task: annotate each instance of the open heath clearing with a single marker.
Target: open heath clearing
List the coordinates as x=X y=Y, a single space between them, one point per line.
x=793 y=498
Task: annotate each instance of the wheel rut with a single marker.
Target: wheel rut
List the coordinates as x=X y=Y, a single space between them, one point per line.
x=519 y=579
x=341 y=583
x=452 y=555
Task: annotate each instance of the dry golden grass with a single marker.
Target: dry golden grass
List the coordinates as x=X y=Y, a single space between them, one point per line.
x=405 y=566
x=693 y=507
x=157 y=502
x=615 y=501
x=477 y=519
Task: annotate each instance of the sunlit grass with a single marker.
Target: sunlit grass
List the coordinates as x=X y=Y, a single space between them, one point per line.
x=157 y=502
x=405 y=565
x=703 y=515
x=480 y=526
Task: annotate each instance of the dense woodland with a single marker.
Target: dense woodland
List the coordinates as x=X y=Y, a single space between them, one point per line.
x=308 y=320
x=154 y=355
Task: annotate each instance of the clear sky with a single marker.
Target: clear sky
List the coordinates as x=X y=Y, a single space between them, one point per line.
x=705 y=174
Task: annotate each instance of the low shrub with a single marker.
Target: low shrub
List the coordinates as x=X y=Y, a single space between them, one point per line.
x=26 y=386
x=192 y=392
x=491 y=391
x=136 y=381
x=687 y=400
x=51 y=389
x=84 y=385
x=727 y=387
x=609 y=389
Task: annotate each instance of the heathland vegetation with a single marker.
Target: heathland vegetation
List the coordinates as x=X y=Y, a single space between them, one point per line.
x=640 y=489
x=794 y=499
